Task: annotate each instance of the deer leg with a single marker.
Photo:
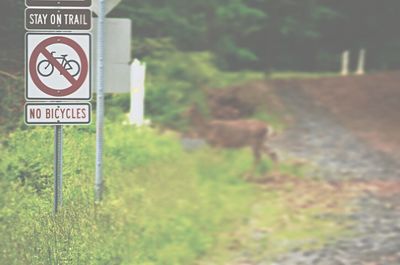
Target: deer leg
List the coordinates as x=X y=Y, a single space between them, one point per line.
x=256 y=154
x=272 y=155
x=256 y=162
x=249 y=176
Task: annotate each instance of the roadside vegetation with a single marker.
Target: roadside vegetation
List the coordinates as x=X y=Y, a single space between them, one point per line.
x=163 y=205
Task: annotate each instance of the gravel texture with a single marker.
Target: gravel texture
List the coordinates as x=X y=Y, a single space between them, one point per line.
x=317 y=136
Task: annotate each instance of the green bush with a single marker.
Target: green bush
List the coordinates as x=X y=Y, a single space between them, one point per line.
x=175 y=81
x=11 y=102
x=162 y=206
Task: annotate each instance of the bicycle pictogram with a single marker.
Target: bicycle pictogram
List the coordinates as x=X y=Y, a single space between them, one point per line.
x=45 y=68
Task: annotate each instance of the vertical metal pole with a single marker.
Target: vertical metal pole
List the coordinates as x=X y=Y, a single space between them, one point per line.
x=100 y=102
x=58 y=156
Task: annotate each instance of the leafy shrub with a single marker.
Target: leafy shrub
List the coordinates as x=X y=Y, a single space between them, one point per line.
x=176 y=80
x=163 y=206
x=11 y=103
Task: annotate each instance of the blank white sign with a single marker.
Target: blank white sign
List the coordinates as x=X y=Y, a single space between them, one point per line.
x=117 y=55
x=117 y=40
x=116 y=79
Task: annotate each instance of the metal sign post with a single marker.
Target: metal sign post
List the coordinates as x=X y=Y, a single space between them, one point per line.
x=100 y=101
x=58 y=156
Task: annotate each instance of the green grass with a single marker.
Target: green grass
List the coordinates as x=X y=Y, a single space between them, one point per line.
x=287 y=227
x=163 y=206
x=300 y=75
x=273 y=227
x=225 y=79
x=273 y=120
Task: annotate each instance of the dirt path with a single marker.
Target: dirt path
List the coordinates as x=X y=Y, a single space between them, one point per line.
x=319 y=136
x=349 y=128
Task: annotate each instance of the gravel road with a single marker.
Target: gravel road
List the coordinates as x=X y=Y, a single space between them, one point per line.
x=318 y=136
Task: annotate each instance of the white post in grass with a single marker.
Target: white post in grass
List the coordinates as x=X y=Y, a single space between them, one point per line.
x=138 y=77
x=345 y=63
x=361 y=62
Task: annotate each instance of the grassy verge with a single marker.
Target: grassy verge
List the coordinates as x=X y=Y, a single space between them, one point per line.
x=290 y=213
x=300 y=75
x=163 y=206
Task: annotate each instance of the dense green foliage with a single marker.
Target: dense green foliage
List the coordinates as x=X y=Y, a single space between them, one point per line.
x=175 y=81
x=11 y=103
x=262 y=34
x=164 y=206
x=270 y=34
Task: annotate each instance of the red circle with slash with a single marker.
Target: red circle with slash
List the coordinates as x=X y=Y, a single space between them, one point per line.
x=41 y=48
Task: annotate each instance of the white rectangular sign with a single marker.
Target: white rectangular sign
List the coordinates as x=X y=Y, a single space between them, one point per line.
x=57 y=113
x=117 y=40
x=58 y=66
x=116 y=78
x=117 y=57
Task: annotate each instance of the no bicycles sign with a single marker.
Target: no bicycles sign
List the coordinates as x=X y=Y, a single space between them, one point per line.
x=58 y=67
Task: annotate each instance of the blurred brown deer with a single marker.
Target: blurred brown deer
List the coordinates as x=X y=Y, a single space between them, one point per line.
x=234 y=133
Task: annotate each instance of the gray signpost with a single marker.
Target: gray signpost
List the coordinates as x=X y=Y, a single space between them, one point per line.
x=58 y=162
x=98 y=187
x=101 y=8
